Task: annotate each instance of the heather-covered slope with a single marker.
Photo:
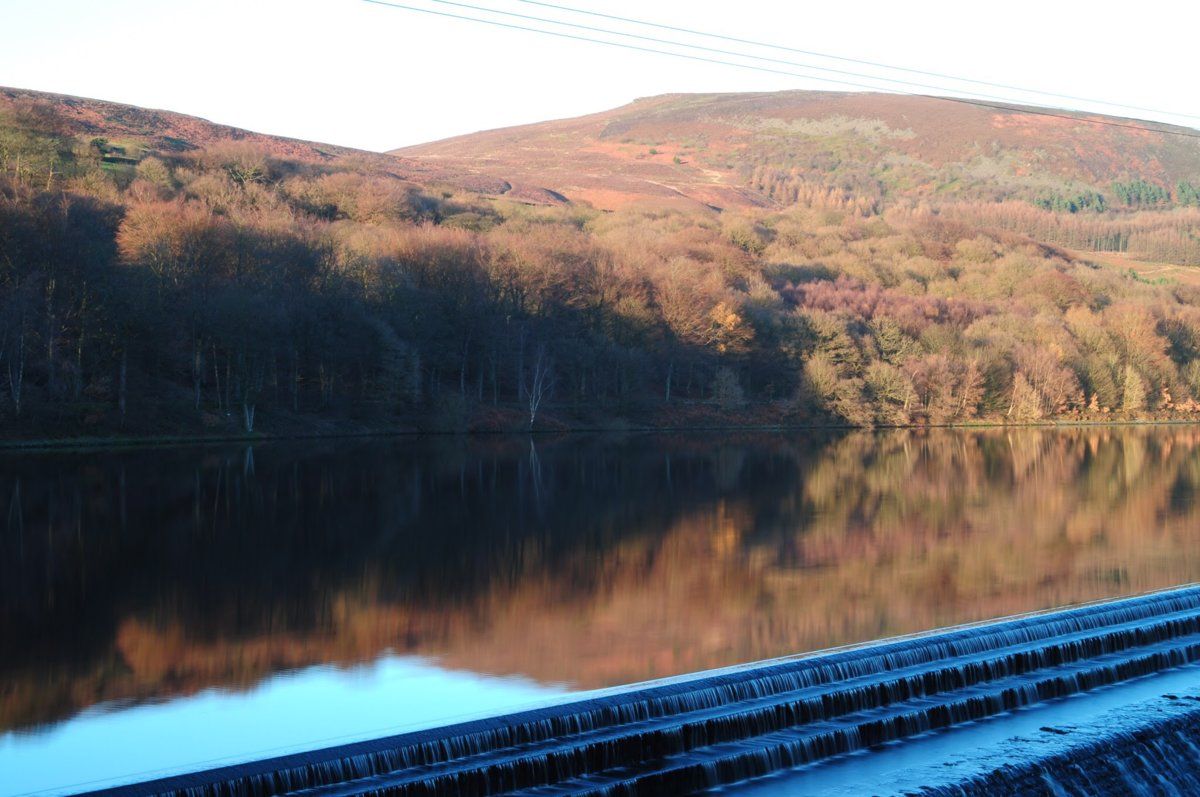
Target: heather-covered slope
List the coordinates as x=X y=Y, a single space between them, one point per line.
x=124 y=135
x=868 y=150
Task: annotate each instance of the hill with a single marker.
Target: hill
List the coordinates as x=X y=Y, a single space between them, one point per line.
x=792 y=258
x=123 y=135
x=866 y=150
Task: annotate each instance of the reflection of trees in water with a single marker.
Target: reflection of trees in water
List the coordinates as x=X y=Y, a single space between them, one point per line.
x=1039 y=482
x=234 y=550
x=143 y=573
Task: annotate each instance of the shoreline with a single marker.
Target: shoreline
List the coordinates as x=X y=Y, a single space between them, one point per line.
x=161 y=440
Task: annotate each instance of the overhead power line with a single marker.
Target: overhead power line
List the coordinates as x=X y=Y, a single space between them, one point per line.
x=908 y=84
x=1009 y=105
x=574 y=37
x=860 y=61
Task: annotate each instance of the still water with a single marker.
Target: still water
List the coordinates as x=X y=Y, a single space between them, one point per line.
x=163 y=610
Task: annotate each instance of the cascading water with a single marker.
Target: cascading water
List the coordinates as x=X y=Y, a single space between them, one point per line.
x=719 y=728
x=1148 y=747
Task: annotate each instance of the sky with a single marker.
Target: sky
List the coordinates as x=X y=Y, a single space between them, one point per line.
x=365 y=75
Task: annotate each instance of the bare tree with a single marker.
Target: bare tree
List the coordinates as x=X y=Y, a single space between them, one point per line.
x=16 y=369
x=251 y=376
x=248 y=407
x=197 y=368
x=541 y=383
x=123 y=383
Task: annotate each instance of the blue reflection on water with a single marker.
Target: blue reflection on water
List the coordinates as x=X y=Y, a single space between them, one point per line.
x=306 y=709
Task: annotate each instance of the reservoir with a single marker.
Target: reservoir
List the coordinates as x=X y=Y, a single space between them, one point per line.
x=170 y=609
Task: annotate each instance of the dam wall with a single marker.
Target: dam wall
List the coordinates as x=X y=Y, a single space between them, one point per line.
x=734 y=725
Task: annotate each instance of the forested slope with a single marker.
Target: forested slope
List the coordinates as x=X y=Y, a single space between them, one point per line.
x=160 y=274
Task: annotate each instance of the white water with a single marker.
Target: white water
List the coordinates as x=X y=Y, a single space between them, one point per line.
x=949 y=756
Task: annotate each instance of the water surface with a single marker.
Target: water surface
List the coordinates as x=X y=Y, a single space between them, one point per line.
x=201 y=603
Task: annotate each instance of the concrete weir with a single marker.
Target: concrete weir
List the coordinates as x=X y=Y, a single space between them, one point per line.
x=740 y=724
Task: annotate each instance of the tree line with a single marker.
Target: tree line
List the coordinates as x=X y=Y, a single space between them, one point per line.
x=1165 y=236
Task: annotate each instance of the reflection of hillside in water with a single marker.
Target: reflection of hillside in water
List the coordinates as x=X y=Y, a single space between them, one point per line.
x=143 y=574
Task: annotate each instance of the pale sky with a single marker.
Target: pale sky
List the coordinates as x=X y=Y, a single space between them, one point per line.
x=352 y=73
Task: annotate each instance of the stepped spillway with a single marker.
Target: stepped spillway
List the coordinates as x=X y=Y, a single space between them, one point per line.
x=1152 y=750
x=693 y=733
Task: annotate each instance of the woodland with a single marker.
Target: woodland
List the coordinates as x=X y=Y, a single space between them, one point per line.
x=228 y=290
